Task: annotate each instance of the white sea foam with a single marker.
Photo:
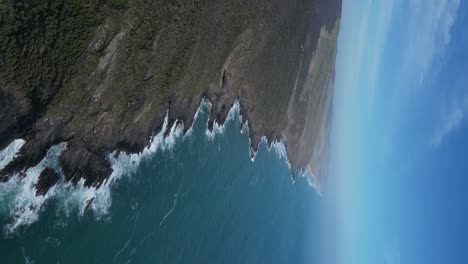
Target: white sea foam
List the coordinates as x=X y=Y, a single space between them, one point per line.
x=174 y=204
x=204 y=107
x=277 y=146
x=280 y=149
x=219 y=128
x=127 y=164
x=9 y=153
x=312 y=180
x=25 y=206
x=27 y=260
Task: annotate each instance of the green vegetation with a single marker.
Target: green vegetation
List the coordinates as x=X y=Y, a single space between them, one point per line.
x=41 y=39
x=221 y=24
x=118 y=4
x=171 y=44
x=163 y=47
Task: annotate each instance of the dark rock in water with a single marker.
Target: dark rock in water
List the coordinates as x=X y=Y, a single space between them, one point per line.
x=43 y=136
x=88 y=204
x=80 y=163
x=47 y=179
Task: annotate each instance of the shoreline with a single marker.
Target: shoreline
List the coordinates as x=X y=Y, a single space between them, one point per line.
x=97 y=198
x=274 y=64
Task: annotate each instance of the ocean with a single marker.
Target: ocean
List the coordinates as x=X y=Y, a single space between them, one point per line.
x=194 y=198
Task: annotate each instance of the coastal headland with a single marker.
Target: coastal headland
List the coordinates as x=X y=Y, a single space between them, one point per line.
x=102 y=76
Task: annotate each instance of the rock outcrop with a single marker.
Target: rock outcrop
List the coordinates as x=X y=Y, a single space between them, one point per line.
x=47 y=179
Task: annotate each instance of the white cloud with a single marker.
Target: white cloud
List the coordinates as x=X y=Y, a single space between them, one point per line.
x=425 y=42
x=353 y=39
x=450 y=122
x=428 y=35
x=376 y=49
x=363 y=35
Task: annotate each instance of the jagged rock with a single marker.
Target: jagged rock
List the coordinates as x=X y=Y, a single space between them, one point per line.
x=47 y=179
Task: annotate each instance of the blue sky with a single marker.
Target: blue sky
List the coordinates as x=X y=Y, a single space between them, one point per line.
x=400 y=134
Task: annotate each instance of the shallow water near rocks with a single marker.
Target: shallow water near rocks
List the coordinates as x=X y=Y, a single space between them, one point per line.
x=202 y=200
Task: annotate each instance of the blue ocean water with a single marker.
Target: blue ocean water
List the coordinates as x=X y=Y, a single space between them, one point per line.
x=197 y=198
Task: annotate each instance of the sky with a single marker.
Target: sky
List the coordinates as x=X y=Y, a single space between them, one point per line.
x=400 y=132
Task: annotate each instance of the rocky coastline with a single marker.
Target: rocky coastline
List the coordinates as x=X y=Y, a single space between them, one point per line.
x=127 y=71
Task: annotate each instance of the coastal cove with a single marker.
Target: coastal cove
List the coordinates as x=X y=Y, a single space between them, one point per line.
x=159 y=200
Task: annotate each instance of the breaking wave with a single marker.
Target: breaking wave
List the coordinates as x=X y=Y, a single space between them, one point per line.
x=20 y=192
x=24 y=207
x=220 y=128
x=9 y=153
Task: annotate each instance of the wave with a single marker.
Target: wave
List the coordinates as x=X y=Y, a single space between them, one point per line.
x=20 y=192
x=25 y=206
x=9 y=153
x=220 y=128
x=312 y=180
x=174 y=204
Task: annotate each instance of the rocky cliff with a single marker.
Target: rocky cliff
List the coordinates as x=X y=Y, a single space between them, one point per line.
x=101 y=75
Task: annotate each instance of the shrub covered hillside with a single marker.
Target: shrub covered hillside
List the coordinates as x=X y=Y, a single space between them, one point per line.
x=41 y=39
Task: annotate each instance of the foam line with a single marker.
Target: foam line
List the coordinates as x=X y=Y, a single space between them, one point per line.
x=9 y=153
x=25 y=206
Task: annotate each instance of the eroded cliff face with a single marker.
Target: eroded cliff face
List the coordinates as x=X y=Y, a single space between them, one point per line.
x=135 y=61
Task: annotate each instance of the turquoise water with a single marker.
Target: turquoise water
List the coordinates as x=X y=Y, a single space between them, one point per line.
x=200 y=199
